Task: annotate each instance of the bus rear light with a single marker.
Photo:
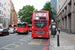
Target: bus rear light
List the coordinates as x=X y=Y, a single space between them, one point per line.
x=17 y=27
x=32 y=27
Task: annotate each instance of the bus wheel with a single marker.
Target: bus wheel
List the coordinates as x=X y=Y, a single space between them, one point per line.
x=18 y=33
x=7 y=33
x=27 y=32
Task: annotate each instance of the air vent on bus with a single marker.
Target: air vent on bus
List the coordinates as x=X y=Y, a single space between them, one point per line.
x=40 y=24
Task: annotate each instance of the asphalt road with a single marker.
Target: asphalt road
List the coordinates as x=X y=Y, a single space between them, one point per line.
x=23 y=42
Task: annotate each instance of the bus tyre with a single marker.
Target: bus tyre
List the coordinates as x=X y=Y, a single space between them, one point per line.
x=27 y=32
x=7 y=33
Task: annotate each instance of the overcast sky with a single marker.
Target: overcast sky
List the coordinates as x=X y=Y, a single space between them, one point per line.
x=38 y=4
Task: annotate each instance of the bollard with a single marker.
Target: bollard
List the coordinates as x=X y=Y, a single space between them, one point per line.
x=58 y=40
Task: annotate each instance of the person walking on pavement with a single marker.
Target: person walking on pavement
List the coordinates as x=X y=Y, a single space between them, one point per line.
x=59 y=30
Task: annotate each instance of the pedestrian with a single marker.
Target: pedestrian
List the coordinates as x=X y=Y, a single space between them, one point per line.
x=59 y=30
x=53 y=30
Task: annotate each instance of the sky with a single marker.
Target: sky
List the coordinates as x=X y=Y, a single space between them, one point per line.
x=38 y=4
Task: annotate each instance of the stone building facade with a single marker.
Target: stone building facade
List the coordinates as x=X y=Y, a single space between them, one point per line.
x=66 y=16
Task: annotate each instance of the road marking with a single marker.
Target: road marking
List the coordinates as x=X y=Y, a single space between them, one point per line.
x=7 y=45
x=11 y=49
x=17 y=46
x=28 y=39
x=6 y=48
x=25 y=41
x=36 y=42
x=46 y=45
x=21 y=43
x=21 y=40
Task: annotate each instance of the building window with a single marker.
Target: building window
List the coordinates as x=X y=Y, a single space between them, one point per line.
x=0 y=20
x=4 y=15
x=4 y=8
x=4 y=23
x=5 y=3
x=0 y=4
x=59 y=1
x=0 y=11
x=8 y=10
x=8 y=4
x=8 y=15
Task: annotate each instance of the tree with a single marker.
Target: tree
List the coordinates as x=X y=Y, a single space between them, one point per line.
x=48 y=7
x=25 y=14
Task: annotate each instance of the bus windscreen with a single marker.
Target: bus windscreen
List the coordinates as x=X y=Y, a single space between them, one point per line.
x=40 y=14
x=21 y=25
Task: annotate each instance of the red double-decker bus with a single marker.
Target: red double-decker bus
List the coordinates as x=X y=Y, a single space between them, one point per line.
x=22 y=27
x=40 y=24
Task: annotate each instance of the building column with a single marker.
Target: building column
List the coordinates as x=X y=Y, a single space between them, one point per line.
x=61 y=21
x=64 y=23
x=61 y=24
x=73 y=16
x=73 y=22
x=68 y=25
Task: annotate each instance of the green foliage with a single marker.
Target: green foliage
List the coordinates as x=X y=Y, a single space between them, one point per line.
x=48 y=7
x=25 y=14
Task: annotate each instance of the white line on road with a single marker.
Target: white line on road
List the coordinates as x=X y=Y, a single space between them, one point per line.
x=21 y=40
x=6 y=48
x=7 y=45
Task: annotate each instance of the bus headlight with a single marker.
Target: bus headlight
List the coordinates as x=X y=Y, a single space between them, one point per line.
x=36 y=17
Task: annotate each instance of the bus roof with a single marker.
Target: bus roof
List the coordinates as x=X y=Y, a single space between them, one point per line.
x=22 y=22
x=41 y=11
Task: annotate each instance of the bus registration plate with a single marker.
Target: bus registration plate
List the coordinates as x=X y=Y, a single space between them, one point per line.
x=39 y=36
x=21 y=31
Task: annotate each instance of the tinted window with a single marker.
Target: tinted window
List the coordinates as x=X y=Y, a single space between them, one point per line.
x=10 y=25
x=14 y=25
x=40 y=24
x=29 y=26
x=21 y=25
x=5 y=29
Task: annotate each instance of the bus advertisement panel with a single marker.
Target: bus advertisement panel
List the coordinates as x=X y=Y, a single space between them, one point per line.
x=40 y=24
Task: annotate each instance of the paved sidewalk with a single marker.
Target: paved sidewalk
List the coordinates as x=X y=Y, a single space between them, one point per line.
x=67 y=42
